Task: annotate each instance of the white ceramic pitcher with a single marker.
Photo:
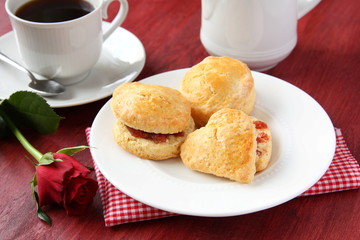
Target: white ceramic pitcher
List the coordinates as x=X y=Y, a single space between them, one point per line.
x=260 y=33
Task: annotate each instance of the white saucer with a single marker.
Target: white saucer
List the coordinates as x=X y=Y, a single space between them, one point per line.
x=122 y=59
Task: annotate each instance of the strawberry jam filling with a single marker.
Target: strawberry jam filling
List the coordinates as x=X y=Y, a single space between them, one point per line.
x=258 y=153
x=262 y=137
x=260 y=125
x=155 y=137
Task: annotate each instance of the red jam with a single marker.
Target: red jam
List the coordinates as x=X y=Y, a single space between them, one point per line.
x=156 y=137
x=260 y=125
x=263 y=137
x=258 y=153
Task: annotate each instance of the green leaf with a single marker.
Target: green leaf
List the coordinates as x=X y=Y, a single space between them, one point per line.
x=43 y=216
x=72 y=150
x=33 y=183
x=31 y=110
x=47 y=159
x=32 y=162
x=90 y=168
x=40 y=213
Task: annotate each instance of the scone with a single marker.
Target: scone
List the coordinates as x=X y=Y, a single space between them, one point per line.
x=216 y=83
x=225 y=147
x=152 y=121
x=264 y=144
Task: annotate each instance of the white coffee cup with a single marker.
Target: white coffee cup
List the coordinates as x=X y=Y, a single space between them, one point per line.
x=65 y=51
x=260 y=33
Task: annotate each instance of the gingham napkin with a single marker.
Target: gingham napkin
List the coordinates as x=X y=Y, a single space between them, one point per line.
x=118 y=208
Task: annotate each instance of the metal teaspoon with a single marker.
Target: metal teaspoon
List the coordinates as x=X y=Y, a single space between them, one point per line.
x=42 y=87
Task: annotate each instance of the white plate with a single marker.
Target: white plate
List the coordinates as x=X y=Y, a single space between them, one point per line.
x=122 y=59
x=303 y=147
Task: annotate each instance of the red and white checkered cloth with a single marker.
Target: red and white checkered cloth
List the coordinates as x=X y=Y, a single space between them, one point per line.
x=118 y=208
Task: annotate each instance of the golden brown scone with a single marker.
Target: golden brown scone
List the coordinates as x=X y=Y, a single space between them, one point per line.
x=152 y=121
x=264 y=144
x=148 y=149
x=216 y=83
x=225 y=147
x=151 y=108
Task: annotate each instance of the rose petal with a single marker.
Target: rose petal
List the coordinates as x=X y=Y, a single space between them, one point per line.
x=50 y=180
x=79 y=193
x=78 y=167
x=66 y=183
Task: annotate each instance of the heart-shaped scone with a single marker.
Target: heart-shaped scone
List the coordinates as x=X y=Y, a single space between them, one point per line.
x=225 y=147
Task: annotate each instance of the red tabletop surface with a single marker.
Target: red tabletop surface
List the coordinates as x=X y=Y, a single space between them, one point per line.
x=325 y=63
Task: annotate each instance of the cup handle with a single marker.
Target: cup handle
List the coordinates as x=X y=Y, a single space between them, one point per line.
x=119 y=18
x=304 y=6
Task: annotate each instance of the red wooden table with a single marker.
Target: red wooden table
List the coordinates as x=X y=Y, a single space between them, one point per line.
x=325 y=64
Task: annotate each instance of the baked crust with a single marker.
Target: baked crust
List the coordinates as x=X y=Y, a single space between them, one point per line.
x=225 y=147
x=216 y=83
x=151 y=108
x=149 y=149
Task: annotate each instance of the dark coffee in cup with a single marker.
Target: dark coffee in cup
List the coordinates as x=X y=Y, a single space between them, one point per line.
x=46 y=11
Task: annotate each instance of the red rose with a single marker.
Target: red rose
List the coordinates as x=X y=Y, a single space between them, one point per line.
x=66 y=183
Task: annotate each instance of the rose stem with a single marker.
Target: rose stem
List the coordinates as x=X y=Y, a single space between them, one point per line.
x=24 y=142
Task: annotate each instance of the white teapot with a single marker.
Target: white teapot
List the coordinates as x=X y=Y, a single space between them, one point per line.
x=260 y=33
